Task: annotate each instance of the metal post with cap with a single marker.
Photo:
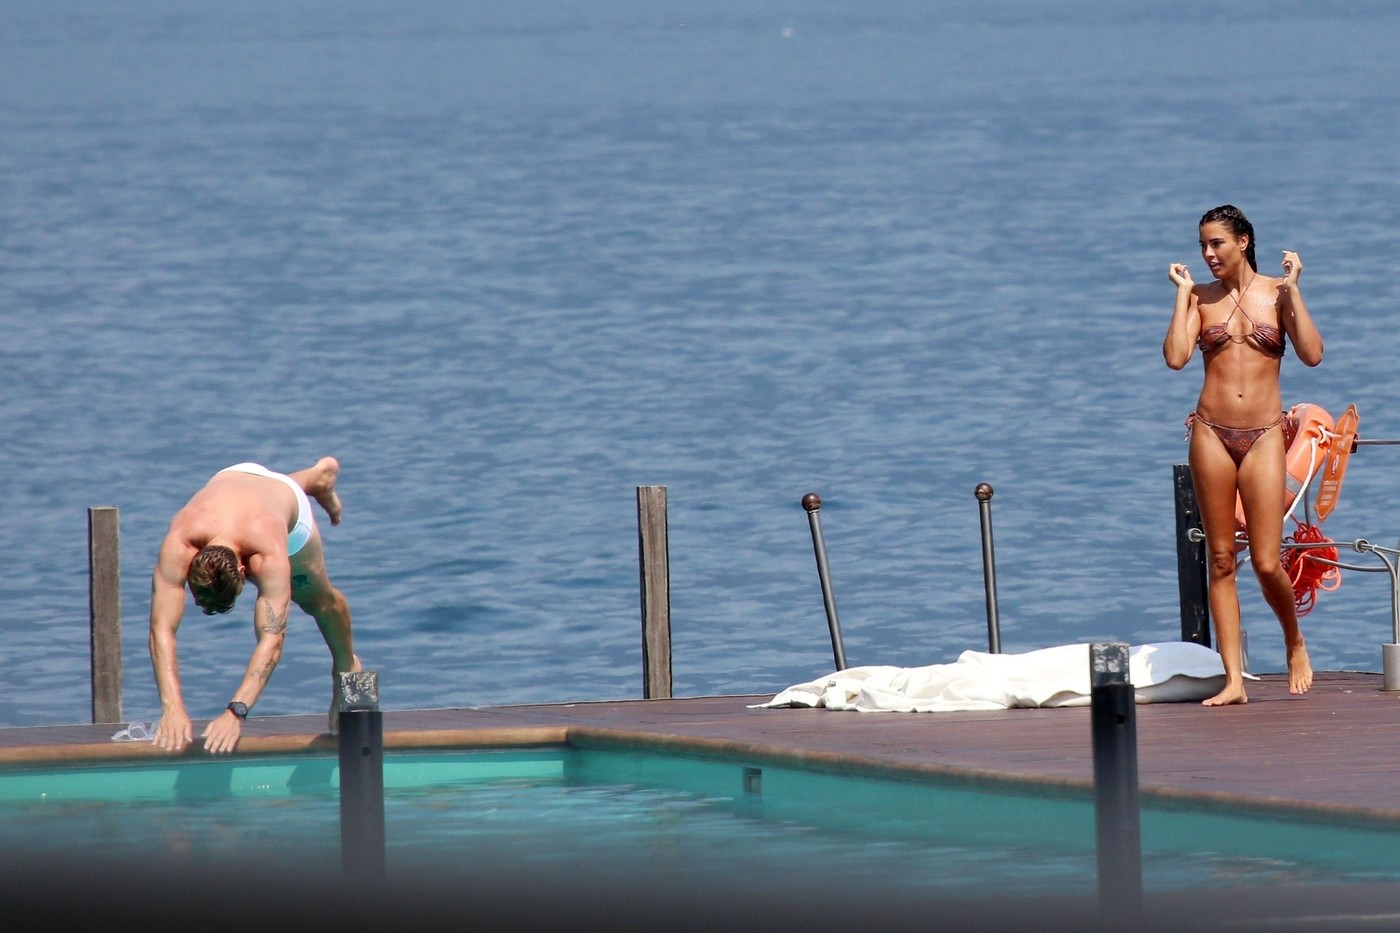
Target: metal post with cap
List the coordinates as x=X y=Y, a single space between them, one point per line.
x=361 y=726
x=1118 y=823
x=813 y=504
x=989 y=567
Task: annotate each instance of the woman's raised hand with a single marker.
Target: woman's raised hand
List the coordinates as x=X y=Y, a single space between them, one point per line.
x=1179 y=274
x=1292 y=268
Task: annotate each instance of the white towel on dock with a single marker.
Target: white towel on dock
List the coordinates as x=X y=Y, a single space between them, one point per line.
x=1166 y=672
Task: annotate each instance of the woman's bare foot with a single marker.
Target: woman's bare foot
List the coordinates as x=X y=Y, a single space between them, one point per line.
x=319 y=483
x=1232 y=695
x=1300 y=673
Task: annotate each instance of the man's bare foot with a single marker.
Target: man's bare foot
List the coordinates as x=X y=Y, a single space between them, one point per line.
x=1300 y=671
x=319 y=483
x=1232 y=695
x=335 y=695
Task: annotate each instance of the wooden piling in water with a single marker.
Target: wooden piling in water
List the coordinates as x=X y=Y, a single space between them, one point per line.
x=105 y=612
x=654 y=554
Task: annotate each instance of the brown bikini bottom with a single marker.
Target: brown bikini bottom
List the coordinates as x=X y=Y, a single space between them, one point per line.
x=1238 y=441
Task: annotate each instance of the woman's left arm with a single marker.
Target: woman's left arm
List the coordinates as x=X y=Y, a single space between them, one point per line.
x=1293 y=313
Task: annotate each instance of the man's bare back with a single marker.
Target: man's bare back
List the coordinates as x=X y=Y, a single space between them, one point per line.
x=241 y=508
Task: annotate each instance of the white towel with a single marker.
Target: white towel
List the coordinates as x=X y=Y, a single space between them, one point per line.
x=1166 y=672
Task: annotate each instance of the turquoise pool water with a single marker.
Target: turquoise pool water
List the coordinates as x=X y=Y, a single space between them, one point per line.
x=627 y=818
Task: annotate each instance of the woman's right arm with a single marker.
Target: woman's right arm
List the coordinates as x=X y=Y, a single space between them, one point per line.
x=1186 y=319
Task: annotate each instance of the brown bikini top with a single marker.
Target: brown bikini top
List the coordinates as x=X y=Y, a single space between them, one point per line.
x=1262 y=337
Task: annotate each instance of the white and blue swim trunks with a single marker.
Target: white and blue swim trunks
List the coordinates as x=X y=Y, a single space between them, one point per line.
x=306 y=522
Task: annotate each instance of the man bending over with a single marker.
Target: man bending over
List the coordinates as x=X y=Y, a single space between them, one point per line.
x=246 y=523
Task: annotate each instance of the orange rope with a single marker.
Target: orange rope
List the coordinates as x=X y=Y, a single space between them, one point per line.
x=1308 y=574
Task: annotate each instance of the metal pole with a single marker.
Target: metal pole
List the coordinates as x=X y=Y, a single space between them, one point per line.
x=1117 y=818
x=361 y=776
x=1390 y=557
x=1395 y=597
x=1390 y=653
x=989 y=567
x=813 y=504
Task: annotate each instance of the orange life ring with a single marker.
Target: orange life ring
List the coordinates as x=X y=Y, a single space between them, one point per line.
x=1302 y=425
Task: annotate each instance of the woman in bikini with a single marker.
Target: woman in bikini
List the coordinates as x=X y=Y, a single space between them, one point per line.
x=1240 y=322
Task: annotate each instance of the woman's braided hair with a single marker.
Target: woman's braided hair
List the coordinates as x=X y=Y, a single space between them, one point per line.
x=1232 y=217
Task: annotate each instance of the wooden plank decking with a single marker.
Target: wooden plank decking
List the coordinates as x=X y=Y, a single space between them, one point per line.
x=1331 y=753
x=1328 y=755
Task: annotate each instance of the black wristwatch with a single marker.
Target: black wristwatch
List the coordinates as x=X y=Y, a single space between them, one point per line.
x=238 y=709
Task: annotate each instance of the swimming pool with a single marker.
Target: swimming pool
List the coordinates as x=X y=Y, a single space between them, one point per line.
x=627 y=819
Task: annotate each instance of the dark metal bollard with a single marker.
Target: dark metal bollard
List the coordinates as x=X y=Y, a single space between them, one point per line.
x=989 y=567
x=1117 y=819
x=813 y=504
x=361 y=776
x=1190 y=560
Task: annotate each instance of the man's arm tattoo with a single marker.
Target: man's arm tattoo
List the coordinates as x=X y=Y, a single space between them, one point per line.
x=275 y=624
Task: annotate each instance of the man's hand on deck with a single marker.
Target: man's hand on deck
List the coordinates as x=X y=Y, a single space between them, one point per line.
x=221 y=735
x=174 y=731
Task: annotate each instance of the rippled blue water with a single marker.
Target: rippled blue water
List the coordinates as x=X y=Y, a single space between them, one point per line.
x=509 y=263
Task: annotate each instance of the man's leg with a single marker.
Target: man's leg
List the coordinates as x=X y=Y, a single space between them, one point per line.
x=313 y=592
x=318 y=481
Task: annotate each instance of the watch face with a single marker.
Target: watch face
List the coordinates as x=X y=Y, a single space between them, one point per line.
x=239 y=709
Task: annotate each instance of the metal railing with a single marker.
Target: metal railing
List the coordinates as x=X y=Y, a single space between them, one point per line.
x=812 y=504
x=1390 y=558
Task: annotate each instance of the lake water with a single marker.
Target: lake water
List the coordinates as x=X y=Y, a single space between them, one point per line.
x=509 y=263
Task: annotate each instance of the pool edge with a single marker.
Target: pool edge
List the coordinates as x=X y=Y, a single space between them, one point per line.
x=604 y=737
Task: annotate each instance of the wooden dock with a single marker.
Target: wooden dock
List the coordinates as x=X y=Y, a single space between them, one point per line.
x=1328 y=755
x=1331 y=753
